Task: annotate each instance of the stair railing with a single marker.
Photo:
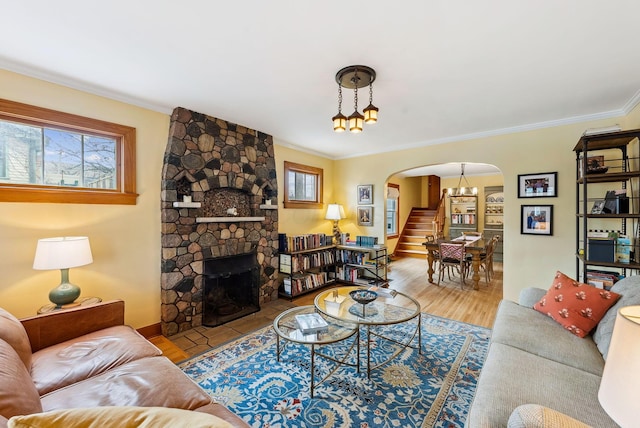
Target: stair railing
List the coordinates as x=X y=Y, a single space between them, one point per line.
x=440 y=217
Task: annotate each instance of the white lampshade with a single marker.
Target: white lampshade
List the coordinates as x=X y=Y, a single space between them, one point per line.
x=335 y=212
x=62 y=253
x=622 y=370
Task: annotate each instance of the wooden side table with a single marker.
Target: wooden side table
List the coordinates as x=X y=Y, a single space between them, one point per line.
x=82 y=301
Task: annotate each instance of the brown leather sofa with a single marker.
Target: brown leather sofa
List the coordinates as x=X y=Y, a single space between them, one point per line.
x=86 y=357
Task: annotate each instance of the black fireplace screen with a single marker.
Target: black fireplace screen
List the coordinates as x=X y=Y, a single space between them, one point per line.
x=231 y=288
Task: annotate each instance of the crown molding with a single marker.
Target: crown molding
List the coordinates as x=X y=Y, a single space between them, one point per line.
x=512 y=130
x=632 y=103
x=58 y=79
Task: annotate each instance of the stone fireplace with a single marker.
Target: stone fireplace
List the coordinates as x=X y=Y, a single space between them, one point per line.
x=231 y=288
x=216 y=179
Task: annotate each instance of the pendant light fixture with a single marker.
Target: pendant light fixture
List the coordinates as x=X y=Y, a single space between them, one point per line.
x=371 y=111
x=461 y=190
x=339 y=120
x=355 y=77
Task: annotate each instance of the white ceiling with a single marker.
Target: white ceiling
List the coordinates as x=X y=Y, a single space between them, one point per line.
x=446 y=70
x=452 y=169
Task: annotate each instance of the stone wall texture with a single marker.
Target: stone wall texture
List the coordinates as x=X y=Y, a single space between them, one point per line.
x=221 y=165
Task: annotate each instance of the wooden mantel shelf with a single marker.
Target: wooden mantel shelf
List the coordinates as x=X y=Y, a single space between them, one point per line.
x=227 y=219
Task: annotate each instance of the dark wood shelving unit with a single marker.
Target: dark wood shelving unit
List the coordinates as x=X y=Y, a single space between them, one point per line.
x=618 y=172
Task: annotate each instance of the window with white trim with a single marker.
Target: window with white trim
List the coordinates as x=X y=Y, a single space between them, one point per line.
x=393 y=210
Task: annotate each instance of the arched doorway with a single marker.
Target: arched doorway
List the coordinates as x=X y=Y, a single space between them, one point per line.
x=414 y=192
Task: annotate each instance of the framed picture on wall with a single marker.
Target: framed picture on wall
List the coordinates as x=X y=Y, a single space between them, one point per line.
x=365 y=194
x=536 y=220
x=365 y=216
x=540 y=185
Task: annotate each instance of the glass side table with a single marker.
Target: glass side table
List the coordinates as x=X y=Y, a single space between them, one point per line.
x=81 y=301
x=287 y=330
x=387 y=309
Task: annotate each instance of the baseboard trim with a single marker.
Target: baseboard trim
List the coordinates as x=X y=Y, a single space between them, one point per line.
x=150 y=330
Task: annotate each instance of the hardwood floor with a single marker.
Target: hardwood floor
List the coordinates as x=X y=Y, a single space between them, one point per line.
x=407 y=275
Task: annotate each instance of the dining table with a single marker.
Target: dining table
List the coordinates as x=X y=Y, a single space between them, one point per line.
x=474 y=245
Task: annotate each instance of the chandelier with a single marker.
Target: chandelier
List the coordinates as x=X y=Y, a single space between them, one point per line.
x=355 y=77
x=462 y=190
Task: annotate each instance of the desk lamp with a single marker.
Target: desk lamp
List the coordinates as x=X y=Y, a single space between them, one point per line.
x=335 y=212
x=622 y=370
x=63 y=253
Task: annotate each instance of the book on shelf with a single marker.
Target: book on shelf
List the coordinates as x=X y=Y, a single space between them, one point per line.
x=311 y=323
x=604 y=130
x=602 y=278
x=304 y=242
x=603 y=233
x=285 y=263
x=366 y=241
x=282 y=243
x=623 y=249
x=286 y=283
x=308 y=281
x=302 y=262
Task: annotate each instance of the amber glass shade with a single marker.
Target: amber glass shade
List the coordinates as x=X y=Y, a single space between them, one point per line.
x=355 y=122
x=339 y=122
x=371 y=114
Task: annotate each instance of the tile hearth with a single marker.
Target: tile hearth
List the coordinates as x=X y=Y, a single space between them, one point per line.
x=201 y=339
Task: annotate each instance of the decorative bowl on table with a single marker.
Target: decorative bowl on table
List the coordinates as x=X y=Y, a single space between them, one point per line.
x=363 y=296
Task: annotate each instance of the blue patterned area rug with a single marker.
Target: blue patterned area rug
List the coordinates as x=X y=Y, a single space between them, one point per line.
x=431 y=389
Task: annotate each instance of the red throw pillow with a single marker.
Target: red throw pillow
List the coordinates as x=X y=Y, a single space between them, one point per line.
x=576 y=306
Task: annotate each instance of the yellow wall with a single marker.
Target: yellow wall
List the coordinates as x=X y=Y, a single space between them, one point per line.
x=126 y=239
x=293 y=221
x=410 y=197
x=528 y=260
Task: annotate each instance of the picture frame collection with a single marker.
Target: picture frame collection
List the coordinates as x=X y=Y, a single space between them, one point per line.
x=537 y=219
x=365 y=205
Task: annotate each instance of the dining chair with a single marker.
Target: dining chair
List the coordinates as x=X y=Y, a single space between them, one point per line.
x=495 y=240
x=486 y=259
x=452 y=256
x=435 y=253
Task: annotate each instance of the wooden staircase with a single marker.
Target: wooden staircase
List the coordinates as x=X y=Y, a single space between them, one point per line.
x=419 y=224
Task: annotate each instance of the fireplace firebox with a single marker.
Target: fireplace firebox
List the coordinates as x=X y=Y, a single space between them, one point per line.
x=231 y=288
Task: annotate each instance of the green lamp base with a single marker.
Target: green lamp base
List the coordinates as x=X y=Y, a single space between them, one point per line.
x=64 y=293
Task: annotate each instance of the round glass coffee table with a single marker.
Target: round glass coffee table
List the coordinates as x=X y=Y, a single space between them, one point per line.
x=287 y=330
x=390 y=307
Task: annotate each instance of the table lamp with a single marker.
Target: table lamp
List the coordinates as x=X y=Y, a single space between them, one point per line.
x=622 y=369
x=335 y=212
x=63 y=253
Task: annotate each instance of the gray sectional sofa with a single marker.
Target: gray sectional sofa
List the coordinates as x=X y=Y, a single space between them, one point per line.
x=538 y=374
